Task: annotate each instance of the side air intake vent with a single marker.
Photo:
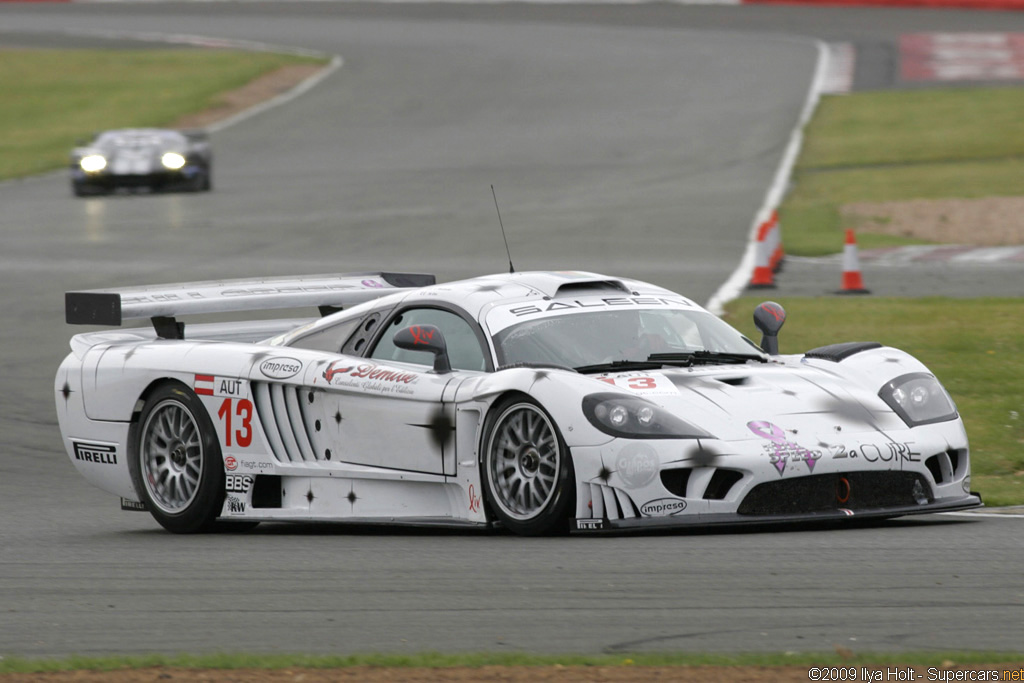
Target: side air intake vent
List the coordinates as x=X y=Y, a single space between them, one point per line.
x=947 y=467
x=676 y=480
x=608 y=502
x=721 y=483
x=286 y=421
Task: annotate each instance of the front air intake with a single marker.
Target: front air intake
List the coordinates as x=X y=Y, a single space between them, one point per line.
x=827 y=492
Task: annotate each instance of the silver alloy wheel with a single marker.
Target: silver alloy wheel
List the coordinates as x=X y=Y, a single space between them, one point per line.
x=171 y=455
x=523 y=461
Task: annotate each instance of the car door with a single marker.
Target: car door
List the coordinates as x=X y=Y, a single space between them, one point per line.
x=389 y=408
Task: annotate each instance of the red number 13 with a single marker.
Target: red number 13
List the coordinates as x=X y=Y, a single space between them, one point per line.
x=243 y=435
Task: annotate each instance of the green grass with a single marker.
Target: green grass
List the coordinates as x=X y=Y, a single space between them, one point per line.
x=892 y=146
x=23 y=665
x=974 y=346
x=54 y=98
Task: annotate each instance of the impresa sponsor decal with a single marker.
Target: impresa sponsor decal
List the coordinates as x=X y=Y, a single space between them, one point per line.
x=280 y=368
x=663 y=507
x=101 y=454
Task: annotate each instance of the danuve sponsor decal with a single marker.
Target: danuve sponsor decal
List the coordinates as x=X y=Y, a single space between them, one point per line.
x=370 y=377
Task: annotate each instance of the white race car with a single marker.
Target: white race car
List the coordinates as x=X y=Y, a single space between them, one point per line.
x=152 y=158
x=538 y=402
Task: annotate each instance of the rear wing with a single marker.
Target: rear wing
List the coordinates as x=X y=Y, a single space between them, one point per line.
x=161 y=303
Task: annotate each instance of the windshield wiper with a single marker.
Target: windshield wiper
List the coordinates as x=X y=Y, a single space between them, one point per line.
x=620 y=366
x=705 y=358
x=660 y=360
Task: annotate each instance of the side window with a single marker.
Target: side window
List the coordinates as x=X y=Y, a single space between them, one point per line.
x=464 y=349
x=328 y=339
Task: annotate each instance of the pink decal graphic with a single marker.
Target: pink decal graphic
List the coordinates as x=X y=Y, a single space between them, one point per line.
x=372 y=283
x=775 y=310
x=780 y=451
x=474 y=500
x=420 y=335
x=331 y=371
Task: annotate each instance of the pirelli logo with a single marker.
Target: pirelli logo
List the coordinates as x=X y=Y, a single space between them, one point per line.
x=95 y=452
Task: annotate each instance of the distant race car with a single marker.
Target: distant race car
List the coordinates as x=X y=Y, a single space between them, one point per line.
x=142 y=158
x=539 y=402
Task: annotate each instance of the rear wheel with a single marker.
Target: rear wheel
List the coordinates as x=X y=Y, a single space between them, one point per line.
x=527 y=471
x=176 y=463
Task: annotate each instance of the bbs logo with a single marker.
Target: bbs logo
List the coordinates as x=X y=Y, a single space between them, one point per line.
x=237 y=483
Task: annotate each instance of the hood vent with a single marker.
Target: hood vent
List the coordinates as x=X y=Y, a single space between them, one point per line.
x=839 y=352
x=591 y=288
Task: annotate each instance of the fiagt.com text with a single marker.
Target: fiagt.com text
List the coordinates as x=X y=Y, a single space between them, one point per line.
x=908 y=673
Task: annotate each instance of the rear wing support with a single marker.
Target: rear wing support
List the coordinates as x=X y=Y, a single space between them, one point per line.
x=162 y=303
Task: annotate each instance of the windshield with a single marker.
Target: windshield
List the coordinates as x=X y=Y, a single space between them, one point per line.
x=581 y=339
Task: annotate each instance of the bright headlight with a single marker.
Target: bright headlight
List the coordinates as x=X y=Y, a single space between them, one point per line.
x=918 y=399
x=172 y=160
x=632 y=417
x=93 y=163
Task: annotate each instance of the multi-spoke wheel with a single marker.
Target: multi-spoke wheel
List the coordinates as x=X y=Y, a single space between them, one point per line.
x=527 y=470
x=176 y=463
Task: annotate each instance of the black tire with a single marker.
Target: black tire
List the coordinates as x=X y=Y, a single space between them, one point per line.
x=526 y=469
x=175 y=461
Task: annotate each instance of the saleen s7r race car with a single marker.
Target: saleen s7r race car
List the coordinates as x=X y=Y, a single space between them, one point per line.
x=538 y=402
x=151 y=158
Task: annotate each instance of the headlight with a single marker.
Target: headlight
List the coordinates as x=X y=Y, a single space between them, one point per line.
x=918 y=399
x=632 y=417
x=172 y=160
x=93 y=163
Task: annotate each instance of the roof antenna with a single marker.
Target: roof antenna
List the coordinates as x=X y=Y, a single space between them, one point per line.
x=510 y=268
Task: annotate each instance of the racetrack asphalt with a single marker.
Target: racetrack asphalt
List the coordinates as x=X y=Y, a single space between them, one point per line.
x=631 y=140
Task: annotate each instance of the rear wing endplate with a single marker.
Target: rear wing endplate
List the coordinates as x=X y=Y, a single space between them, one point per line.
x=161 y=303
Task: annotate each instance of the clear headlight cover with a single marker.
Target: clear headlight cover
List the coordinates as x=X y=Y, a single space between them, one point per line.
x=172 y=160
x=632 y=417
x=918 y=399
x=92 y=163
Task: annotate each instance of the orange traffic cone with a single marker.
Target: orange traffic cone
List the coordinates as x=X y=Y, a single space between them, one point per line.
x=778 y=254
x=762 y=278
x=852 y=282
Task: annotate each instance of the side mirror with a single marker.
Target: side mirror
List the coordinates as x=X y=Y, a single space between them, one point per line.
x=769 y=318
x=425 y=338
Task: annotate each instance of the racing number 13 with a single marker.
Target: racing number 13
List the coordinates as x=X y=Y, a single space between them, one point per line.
x=243 y=409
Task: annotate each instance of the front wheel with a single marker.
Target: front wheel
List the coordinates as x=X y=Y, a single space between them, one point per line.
x=527 y=471
x=176 y=463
